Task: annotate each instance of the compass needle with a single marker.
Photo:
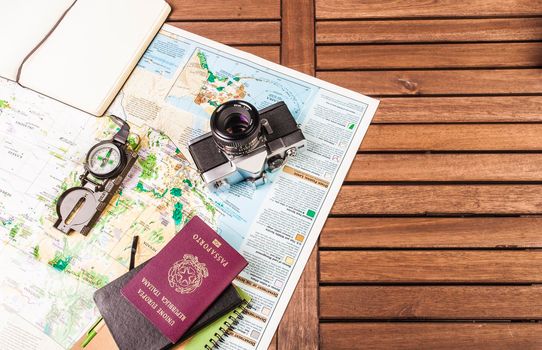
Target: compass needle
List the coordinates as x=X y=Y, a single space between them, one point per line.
x=105 y=160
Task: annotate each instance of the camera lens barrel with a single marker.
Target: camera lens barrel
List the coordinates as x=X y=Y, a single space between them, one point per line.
x=235 y=127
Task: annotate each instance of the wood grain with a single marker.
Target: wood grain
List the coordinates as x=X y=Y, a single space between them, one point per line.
x=446 y=167
x=515 y=232
x=506 y=109
x=330 y=9
x=439 y=82
x=447 y=30
x=485 y=55
x=429 y=336
x=438 y=266
x=298 y=35
x=273 y=345
x=299 y=327
x=271 y=53
x=235 y=33
x=431 y=302
x=453 y=137
x=215 y=9
x=438 y=199
x=457 y=56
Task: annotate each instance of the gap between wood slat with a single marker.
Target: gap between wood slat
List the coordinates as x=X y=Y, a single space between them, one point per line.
x=443 y=56
x=442 y=266
x=235 y=33
x=462 y=30
x=426 y=336
x=330 y=9
x=359 y=233
x=449 y=82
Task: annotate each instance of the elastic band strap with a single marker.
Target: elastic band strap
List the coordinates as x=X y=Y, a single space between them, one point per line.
x=19 y=71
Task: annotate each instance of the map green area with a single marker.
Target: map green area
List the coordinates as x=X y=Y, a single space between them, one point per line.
x=168 y=101
x=40 y=162
x=209 y=79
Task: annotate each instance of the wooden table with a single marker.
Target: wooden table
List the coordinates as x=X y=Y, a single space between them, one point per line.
x=434 y=240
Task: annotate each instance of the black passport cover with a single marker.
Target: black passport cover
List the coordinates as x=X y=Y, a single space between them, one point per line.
x=132 y=331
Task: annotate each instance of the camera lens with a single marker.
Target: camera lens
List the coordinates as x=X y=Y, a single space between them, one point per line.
x=237 y=123
x=235 y=126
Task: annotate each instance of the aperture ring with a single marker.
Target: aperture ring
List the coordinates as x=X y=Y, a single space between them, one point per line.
x=235 y=148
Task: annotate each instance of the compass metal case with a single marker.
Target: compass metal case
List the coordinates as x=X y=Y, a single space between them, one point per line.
x=106 y=166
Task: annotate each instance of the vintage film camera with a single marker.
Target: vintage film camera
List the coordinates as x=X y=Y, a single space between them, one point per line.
x=243 y=144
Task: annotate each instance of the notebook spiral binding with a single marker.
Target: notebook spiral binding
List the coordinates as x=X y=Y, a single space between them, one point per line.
x=218 y=338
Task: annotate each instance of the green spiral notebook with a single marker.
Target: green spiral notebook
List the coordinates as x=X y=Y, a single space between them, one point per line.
x=209 y=337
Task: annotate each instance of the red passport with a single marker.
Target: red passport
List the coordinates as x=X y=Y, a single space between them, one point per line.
x=184 y=278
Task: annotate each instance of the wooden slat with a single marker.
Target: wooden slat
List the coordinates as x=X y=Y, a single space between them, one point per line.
x=216 y=9
x=271 y=53
x=475 y=53
x=440 y=266
x=237 y=33
x=431 y=302
x=430 y=336
x=484 y=55
x=439 y=199
x=423 y=8
x=458 y=30
x=385 y=232
x=444 y=137
x=446 y=167
x=273 y=345
x=298 y=35
x=459 y=109
x=448 y=82
x=299 y=327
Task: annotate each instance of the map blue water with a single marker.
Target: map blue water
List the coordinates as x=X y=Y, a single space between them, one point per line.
x=164 y=56
x=227 y=78
x=262 y=86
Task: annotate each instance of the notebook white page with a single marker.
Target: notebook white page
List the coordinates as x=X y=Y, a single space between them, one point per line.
x=87 y=58
x=23 y=25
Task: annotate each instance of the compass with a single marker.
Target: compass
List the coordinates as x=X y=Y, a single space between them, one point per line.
x=105 y=159
x=106 y=166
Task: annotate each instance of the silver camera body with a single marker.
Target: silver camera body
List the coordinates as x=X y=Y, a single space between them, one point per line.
x=245 y=143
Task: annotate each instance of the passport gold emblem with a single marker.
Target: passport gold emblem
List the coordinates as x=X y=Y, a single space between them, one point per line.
x=186 y=275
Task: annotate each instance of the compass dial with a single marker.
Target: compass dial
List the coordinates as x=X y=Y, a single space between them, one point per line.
x=104 y=159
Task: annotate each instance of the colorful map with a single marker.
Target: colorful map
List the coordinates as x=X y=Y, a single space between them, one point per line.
x=209 y=79
x=168 y=100
x=178 y=84
x=56 y=272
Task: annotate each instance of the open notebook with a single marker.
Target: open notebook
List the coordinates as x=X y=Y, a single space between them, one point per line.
x=79 y=52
